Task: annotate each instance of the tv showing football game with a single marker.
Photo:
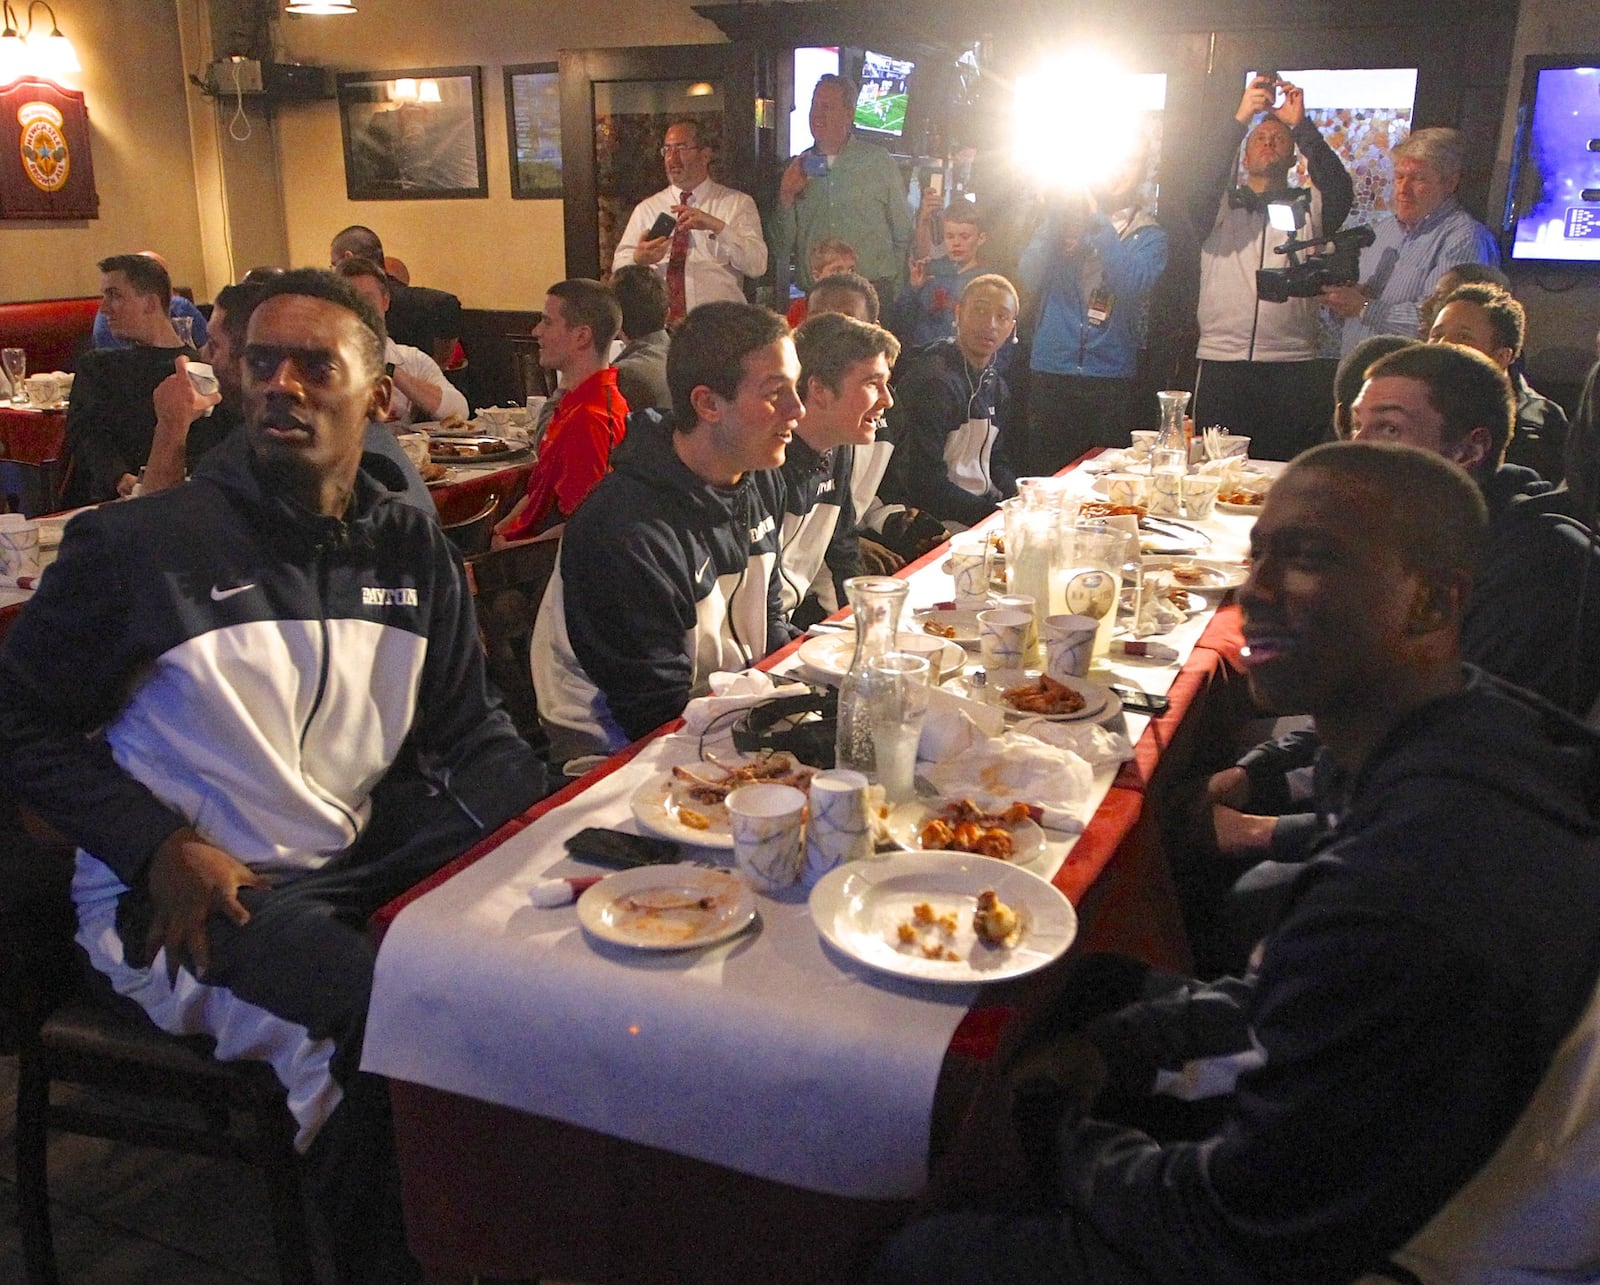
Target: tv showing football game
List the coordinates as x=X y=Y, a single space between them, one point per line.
x=885 y=84
x=1556 y=185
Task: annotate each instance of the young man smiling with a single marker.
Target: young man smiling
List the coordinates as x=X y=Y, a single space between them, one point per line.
x=669 y=570
x=1389 y=1082
x=256 y=704
x=844 y=381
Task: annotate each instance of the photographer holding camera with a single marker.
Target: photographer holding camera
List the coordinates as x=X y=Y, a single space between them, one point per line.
x=1258 y=373
x=1429 y=234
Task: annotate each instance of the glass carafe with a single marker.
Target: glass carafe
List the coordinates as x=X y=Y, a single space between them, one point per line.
x=876 y=603
x=1169 y=460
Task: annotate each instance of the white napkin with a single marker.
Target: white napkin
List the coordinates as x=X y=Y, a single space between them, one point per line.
x=731 y=692
x=955 y=725
x=1015 y=766
x=1157 y=612
x=1095 y=745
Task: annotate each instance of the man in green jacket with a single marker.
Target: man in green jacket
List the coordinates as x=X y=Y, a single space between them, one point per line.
x=844 y=188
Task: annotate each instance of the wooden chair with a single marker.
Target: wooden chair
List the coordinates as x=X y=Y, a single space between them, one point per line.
x=508 y=585
x=471 y=535
x=148 y=1088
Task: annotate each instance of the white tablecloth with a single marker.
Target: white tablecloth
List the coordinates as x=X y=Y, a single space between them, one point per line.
x=768 y=1054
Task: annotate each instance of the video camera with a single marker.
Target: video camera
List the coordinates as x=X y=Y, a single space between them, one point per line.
x=1340 y=266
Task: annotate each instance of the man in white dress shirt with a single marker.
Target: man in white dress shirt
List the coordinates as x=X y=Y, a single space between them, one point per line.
x=421 y=390
x=717 y=241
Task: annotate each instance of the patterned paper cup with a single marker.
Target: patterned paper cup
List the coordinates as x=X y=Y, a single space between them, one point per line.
x=1068 y=645
x=840 y=826
x=767 y=823
x=1003 y=637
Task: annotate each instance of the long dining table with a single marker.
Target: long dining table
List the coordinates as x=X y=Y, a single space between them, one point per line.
x=762 y=1109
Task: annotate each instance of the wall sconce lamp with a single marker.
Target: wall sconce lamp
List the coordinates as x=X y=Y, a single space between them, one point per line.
x=35 y=54
x=324 y=7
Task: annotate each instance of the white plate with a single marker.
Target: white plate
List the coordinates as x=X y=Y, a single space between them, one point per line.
x=1099 y=703
x=433 y=428
x=448 y=477
x=653 y=809
x=1218 y=575
x=830 y=654
x=667 y=907
x=858 y=907
x=1179 y=537
x=1229 y=507
x=965 y=623
x=906 y=821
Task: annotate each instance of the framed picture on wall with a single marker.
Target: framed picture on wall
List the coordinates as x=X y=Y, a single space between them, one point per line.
x=533 y=130
x=413 y=135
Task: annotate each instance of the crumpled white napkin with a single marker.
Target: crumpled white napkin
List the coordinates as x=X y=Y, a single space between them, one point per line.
x=1016 y=766
x=955 y=725
x=731 y=692
x=1095 y=745
x=1158 y=614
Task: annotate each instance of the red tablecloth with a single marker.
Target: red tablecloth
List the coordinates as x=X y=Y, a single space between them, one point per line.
x=31 y=436
x=458 y=501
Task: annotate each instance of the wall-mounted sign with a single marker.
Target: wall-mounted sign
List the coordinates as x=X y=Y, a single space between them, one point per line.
x=45 y=168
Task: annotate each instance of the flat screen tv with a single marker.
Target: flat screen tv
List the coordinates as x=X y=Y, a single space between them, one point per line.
x=1553 y=199
x=885 y=87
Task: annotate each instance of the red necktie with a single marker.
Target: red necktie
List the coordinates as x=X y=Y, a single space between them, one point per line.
x=677 y=300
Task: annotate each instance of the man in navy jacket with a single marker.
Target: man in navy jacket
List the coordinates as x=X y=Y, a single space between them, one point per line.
x=256 y=703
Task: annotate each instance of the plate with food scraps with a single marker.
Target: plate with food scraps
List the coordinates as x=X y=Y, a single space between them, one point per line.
x=951 y=624
x=944 y=917
x=1164 y=535
x=1028 y=693
x=830 y=654
x=467 y=450
x=1200 y=575
x=453 y=426
x=689 y=802
x=679 y=907
x=959 y=825
x=437 y=474
x=1240 y=505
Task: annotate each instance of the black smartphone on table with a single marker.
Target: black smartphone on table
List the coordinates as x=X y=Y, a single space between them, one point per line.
x=618 y=848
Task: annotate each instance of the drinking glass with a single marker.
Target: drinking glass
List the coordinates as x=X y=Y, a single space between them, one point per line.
x=898 y=700
x=15 y=360
x=184 y=326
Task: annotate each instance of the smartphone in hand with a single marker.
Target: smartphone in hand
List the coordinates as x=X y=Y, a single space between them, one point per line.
x=665 y=225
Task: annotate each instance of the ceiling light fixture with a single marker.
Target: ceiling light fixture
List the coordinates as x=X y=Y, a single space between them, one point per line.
x=326 y=8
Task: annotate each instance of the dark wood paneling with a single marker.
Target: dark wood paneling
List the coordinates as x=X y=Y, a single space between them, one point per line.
x=495 y=342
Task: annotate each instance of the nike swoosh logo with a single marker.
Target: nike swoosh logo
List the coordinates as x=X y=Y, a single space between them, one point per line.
x=222 y=595
x=701 y=573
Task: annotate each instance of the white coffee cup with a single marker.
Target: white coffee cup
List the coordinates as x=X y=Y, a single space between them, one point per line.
x=768 y=822
x=42 y=390
x=19 y=546
x=839 y=828
x=1144 y=440
x=1068 y=645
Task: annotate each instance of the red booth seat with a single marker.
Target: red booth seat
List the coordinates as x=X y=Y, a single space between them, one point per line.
x=53 y=331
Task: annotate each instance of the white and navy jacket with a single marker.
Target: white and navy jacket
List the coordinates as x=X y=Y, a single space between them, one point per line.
x=663 y=579
x=818 y=523
x=220 y=657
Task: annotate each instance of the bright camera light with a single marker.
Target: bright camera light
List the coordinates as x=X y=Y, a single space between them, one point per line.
x=1080 y=119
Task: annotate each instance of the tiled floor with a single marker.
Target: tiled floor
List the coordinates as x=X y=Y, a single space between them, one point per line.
x=132 y=1216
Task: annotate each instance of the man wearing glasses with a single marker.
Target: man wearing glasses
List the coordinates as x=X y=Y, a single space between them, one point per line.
x=715 y=238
